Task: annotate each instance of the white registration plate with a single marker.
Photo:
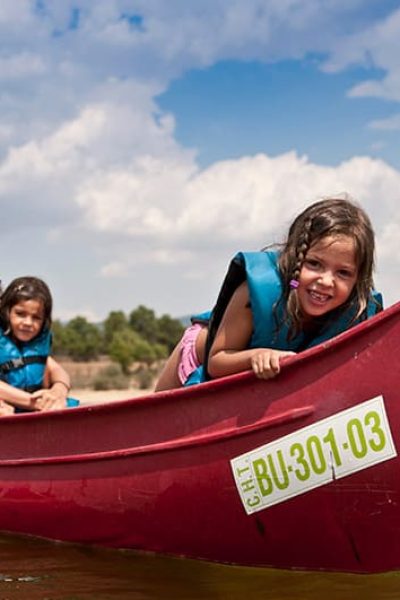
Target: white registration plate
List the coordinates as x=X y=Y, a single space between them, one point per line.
x=342 y=444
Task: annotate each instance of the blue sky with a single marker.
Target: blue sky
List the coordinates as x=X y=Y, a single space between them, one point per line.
x=144 y=142
x=235 y=108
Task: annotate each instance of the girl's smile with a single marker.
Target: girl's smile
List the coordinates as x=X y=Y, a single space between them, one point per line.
x=328 y=275
x=26 y=319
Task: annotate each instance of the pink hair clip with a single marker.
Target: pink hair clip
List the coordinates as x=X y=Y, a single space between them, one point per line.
x=294 y=284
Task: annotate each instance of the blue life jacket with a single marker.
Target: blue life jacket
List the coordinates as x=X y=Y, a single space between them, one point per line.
x=23 y=365
x=270 y=327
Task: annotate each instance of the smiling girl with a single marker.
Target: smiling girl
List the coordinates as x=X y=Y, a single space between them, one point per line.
x=274 y=303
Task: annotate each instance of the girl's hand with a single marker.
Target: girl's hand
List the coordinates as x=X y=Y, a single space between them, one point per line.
x=265 y=362
x=52 y=399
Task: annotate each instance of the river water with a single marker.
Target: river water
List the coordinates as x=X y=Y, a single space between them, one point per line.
x=32 y=569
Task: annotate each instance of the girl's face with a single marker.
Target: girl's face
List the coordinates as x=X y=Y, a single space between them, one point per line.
x=26 y=319
x=328 y=275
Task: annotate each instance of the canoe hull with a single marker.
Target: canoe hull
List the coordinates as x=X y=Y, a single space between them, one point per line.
x=156 y=473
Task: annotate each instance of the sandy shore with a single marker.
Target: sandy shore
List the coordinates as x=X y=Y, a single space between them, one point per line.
x=94 y=397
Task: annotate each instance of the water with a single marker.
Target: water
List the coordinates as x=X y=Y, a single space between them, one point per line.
x=32 y=569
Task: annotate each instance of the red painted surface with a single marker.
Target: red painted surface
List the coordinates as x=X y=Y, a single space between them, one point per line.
x=154 y=473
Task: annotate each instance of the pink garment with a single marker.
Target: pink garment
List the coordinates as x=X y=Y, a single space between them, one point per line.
x=189 y=361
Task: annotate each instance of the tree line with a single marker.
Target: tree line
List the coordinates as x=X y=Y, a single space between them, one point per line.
x=139 y=336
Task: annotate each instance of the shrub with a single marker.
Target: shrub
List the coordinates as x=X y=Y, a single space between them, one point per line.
x=111 y=378
x=144 y=377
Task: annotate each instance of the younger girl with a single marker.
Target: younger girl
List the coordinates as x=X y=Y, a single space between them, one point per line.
x=275 y=303
x=30 y=379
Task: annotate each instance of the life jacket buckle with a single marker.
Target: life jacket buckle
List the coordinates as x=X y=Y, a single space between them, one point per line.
x=17 y=362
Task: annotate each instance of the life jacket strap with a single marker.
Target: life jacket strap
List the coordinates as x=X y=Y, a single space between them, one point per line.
x=21 y=361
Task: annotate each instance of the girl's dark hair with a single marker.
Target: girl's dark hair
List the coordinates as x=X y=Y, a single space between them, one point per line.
x=329 y=217
x=20 y=290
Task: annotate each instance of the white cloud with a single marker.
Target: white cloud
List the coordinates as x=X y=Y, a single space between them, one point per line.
x=14 y=13
x=106 y=143
x=90 y=167
x=245 y=197
x=114 y=269
x=76 y=53
x=390 y=241
x=390 y=124
x=87 y=42
x=20 y=66
x=55 y=155
x=143 y=198
x=148 y=203
x=196 y=218
x=374 y=47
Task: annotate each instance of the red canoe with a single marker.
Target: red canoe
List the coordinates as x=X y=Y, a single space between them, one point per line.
x=298 y=472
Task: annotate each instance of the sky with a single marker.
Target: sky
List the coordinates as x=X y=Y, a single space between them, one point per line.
x=144 y=142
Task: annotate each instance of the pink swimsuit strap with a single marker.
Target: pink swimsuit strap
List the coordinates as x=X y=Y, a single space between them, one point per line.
x=189 y=360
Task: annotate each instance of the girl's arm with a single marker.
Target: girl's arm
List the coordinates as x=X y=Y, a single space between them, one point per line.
x=57 y=385
x=229 y=352
x=56 y=374
x=16 y=397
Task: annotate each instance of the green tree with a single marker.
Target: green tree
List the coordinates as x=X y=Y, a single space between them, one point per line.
x=121 y=348
x=116 y=321
x=60 y=339
x=143 y=321
x=141 y=337
x=145 y=352
x=128 y=346
x=169 y=331
x=82 y=339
